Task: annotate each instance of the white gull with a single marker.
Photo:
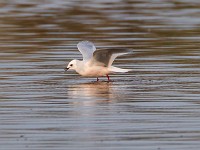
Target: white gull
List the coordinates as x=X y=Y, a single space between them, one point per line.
x=96 y=63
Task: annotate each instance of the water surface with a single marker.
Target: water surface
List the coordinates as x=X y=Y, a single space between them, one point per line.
x=156 y=106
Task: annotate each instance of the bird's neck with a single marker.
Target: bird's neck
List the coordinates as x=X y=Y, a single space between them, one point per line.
x=80 y=67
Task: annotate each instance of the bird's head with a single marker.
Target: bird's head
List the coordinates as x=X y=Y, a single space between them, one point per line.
x=72 y=65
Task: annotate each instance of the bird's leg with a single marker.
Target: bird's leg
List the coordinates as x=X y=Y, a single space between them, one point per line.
x=97 y=79
x=108 y=77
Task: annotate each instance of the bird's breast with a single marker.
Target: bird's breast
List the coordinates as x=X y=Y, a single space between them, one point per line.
x=94 y=71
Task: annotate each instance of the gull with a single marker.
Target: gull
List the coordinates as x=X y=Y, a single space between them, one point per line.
x=96 y=63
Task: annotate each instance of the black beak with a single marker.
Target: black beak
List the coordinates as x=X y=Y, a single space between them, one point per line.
x=66 y=69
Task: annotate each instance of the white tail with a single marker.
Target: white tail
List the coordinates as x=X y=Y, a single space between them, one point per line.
x=116 y=69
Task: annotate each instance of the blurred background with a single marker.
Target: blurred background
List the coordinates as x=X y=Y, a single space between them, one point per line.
x=156 y=106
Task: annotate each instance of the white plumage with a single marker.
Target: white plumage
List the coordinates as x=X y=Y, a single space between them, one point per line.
x=96 y=63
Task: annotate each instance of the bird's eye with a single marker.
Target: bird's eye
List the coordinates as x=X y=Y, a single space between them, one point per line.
x=71 y=65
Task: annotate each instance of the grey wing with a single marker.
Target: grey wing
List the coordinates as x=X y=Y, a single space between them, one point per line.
x=87 y=49
x=106 y=57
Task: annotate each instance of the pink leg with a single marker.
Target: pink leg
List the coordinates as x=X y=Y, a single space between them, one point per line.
x=97 y=79
x=108 y=77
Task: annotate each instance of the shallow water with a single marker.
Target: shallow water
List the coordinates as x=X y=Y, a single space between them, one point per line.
x=156 y=106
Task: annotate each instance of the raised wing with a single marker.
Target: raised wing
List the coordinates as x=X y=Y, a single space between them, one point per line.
x=106 y=57
x=87 y=49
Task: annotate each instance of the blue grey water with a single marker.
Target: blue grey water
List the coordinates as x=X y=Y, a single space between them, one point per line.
x=156 y=106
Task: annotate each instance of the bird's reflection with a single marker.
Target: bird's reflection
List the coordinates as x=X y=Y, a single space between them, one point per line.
x=93 y=93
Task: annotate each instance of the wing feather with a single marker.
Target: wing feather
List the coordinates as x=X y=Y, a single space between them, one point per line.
x=105 y=57
x=87 y=49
